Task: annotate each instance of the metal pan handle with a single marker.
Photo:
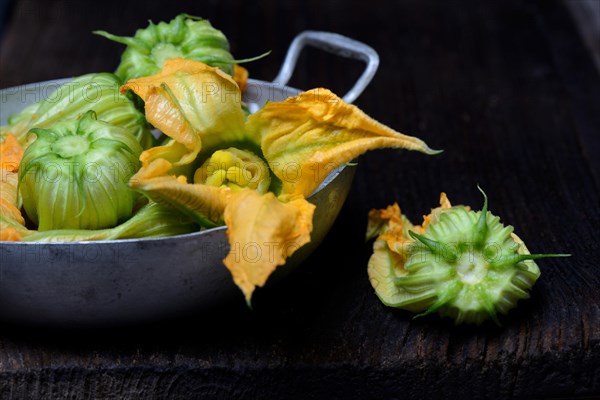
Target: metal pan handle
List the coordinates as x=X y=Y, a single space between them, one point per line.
x=335 y=44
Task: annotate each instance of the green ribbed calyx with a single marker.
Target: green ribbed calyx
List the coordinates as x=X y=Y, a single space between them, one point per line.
x=184 y=36
x=463 y=264
x=74 y=175
x=98 y=92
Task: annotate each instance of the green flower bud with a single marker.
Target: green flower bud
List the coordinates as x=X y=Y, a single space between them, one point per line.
x=183 y=37
x=97 y=92
x=465 y=265
x=236 y=169
x=75 y=174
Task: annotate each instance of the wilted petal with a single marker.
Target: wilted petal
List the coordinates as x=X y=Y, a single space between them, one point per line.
x=174 y=152
x=384 y=220
x=11 y=154
x=9 y=193
x=307 y=136
x=384 y=267
x=263 y=232
x=10 y=235
x=8 y=208
x=207 y=98
x=435 y=213
x=11 y=228
x=390 y=252
x=240 y=76
x=205 y=204
x=164 y=113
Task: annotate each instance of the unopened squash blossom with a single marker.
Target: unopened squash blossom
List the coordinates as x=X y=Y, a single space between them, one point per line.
x=184 y=36
x=152 y=220
x=463 y=264
x=74 y=175
x=199 y=107
x=97 y=92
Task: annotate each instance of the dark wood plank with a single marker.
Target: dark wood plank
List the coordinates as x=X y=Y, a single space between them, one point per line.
x=510 y=93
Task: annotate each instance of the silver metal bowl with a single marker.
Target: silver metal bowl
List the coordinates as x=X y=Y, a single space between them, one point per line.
x=128 y=281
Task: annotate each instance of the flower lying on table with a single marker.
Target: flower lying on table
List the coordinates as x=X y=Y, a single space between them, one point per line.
x=463 y=264
x=220 y=168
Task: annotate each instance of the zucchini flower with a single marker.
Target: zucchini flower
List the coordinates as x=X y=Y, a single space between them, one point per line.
x=74 y=175
x=200 y=108
x=463 y=264
x=98 y=92
x=184 y=36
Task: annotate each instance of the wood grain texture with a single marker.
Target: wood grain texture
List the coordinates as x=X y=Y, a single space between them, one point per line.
x=507 y=89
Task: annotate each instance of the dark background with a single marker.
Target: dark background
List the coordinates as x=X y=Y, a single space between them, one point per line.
x=508 y=89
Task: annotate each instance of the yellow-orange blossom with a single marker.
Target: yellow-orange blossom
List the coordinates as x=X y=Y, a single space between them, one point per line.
x=199 y=108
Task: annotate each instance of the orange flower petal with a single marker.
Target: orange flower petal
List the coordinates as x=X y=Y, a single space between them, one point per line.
x=11 y=153
x=9 y=209
x=10 y=234
x=162 y=111
x=240 y=76
x=206 y=204
x=307 y=136
x=196 y=102
x=263 y=232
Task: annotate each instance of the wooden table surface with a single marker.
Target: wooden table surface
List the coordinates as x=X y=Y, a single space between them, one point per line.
x=506 y=88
